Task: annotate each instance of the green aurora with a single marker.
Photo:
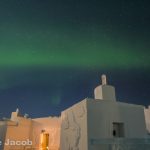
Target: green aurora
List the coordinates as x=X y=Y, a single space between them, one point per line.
x=52 y=53
x=73 y=50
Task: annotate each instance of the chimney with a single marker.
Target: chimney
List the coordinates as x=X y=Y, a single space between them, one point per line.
x=104 y=79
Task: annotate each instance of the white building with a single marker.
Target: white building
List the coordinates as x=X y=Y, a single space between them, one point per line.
x=22 y=133
x=101 y=123
x=104 y=124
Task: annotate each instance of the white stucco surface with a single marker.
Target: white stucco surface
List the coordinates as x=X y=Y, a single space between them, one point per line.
x=93 y=119
x=74 y=128
x=3 y=128
x=52 y=126
x=20 y=128
x=147 y=119
x=106 y=92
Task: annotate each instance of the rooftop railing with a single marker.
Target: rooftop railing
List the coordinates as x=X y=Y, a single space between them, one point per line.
x=122 y=143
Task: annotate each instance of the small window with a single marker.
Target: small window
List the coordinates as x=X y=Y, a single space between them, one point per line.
x=118 y=129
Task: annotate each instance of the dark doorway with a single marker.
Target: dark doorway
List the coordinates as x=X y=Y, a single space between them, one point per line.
x=118 y=129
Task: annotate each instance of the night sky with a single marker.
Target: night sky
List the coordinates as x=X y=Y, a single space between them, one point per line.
x=53 y=52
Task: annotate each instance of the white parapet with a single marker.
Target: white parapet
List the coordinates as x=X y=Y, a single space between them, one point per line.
x=104 y=91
